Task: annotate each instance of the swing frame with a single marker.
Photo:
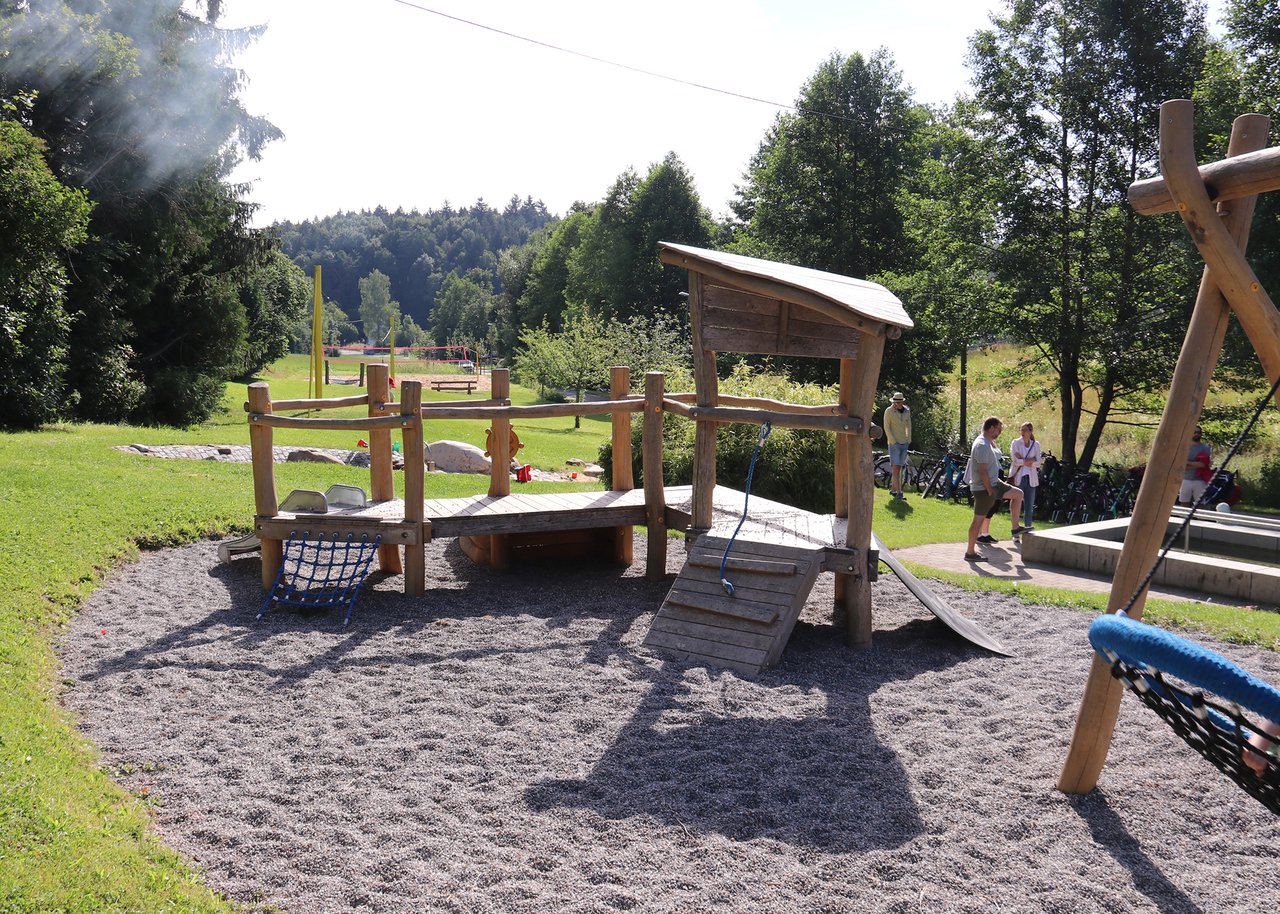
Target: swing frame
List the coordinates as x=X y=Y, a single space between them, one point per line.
x=1228 y=286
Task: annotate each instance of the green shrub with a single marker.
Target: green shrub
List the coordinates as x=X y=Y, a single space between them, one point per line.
x=795 y=466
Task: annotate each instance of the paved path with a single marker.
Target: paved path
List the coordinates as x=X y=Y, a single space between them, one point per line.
x=1005 y=563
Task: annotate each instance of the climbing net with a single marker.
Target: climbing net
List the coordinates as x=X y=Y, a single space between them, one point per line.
x=1226 y=714
x=322 y=573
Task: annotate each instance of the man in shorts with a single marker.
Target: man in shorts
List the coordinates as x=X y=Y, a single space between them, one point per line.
x=1195 y=472
x=983 y=475
x=897 y=431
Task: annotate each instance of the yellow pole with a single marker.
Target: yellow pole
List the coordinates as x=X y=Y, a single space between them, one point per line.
x=393 y=345
x=317 y=338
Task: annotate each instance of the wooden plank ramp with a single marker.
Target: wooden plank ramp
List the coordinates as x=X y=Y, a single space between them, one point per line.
x=700 y=623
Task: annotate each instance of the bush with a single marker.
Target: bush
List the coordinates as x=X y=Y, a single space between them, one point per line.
x=1264 y=491
x=795 y=467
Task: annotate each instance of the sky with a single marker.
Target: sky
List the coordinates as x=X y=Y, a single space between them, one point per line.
x=391 y=103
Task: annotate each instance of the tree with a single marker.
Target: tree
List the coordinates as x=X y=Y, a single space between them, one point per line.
x=275 y=297
x=1242 y=74
x=615 y=271
x=826 y=187
x=465 y=307
x=137 y=105
x=578 y=358
x=40 y=220
x=543 y=300
x=376 y=307
x=1067 y=96
x=951 y=290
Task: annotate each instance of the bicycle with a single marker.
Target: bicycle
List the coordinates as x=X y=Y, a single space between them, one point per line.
x=946 y=480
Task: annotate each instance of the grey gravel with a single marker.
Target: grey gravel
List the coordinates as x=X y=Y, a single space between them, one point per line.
x=504 y=744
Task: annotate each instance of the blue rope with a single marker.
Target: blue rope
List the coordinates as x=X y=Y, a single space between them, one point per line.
x=724 y=580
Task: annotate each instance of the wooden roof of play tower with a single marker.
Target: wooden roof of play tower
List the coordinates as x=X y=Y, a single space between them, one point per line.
x=769 y=308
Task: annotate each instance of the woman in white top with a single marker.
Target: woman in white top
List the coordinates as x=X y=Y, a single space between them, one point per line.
x=1025 y=462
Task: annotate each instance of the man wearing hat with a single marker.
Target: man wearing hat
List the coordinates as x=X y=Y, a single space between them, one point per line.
x=897 y=430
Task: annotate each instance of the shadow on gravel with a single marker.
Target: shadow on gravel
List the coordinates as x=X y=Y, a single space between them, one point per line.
x=467 y=592
x=824 y=781
x=1109 y=832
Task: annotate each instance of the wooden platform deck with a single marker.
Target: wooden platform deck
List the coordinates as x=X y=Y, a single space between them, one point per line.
x=478 y=515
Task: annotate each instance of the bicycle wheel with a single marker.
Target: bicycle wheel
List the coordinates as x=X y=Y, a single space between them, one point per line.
x=928 y=483
x=883 y=473
x=923 y=476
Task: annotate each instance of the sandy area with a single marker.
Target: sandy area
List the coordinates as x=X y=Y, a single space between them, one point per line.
x=505 y=745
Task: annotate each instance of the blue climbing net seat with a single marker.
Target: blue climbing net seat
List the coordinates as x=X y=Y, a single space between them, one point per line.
x=1228 y=715
x=320 y=573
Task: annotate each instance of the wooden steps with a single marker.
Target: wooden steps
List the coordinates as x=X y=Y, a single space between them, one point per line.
x=701 y=623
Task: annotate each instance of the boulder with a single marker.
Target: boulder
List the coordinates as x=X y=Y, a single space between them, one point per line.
x=301 y=455
x=457 y=457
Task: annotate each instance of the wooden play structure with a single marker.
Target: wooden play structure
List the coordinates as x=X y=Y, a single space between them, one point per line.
x=1216 y=203
x=738 y=304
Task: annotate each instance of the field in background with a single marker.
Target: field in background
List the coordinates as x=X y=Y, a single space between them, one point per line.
x=997 y=387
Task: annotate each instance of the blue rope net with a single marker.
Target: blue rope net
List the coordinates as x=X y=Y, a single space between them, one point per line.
x=322 y=573
x=1223 y=712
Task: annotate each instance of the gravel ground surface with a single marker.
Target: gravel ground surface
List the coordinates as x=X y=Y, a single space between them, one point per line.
x=505 y=745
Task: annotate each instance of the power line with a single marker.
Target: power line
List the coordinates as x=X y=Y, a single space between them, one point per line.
x=610 y=63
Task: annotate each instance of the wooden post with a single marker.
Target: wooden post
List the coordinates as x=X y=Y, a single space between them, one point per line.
x=655 y=497
x=264 y=480
x=623 y=477
x=704 y=440
x=500 y=465
x=382 y=482
x=858 y=378
x=361 y=384
x=843 y=468
x=326 y=371
x=415 y=560
x=1100 y=705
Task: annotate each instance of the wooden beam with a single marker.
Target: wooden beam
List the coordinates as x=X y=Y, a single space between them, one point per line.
x=862 y=376
x=655 y=498
x=1230 y=179
x=414 y=450
x=265 y=502
x=500 y=463
x=623 y=474
x=382 y=482
x=707 y=383
x=1100 y=704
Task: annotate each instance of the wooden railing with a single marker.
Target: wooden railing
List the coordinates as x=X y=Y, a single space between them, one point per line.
x=409 y=414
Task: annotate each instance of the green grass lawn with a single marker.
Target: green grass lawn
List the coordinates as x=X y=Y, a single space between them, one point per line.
x=72 y=509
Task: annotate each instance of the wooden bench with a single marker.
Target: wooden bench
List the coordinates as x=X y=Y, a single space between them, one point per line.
x=467 y=384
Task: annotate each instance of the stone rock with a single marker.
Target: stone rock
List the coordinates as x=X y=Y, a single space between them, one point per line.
x=595 y=471
x=304 y=455
x=457 y=457
x=575 y=462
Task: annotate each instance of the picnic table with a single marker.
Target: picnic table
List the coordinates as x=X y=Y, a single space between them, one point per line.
x=467 y=384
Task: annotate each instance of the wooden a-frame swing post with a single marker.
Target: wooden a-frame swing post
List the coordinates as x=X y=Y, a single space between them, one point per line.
x=1227 y=285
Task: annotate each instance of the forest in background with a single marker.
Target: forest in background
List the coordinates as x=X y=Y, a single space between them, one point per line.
x=141 y=287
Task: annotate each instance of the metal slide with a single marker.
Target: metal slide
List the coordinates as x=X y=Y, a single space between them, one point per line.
x=961 y=625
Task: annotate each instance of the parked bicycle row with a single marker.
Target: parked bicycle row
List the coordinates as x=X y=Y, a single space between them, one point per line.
x=1063 y=495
